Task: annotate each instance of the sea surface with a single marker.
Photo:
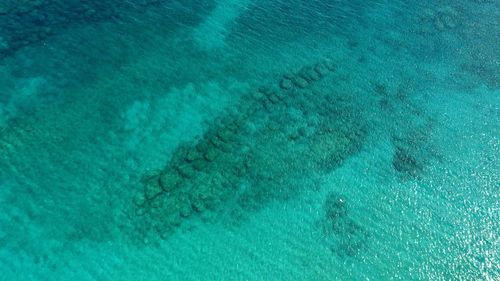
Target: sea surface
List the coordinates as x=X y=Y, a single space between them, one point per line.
x=249 y=140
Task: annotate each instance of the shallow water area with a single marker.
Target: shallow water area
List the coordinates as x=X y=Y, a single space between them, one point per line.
x=249 y=140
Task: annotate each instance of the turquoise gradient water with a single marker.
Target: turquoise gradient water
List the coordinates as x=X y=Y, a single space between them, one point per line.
x=249 y=140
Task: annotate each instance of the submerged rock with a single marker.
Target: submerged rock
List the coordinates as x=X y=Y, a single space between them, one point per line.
x=321 y=69
x=266 y=90
x=210 y=155
x=232 y=126
x=309 y=74
x=200 y=165
x=169 y=180
x=226 y=147
x=202 y=146
x=225 y=135
x=186 y=211
x=139 y=199
x=258 y=96
x=330 y=65
x=192 y=155
x=273 y=98
x=152 y=187
x=268 y=105
x=198 y=205
x=286 y=84
x=186 y=170
x=300 y=82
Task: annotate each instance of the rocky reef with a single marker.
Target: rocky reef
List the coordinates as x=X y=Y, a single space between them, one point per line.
x=261 y=151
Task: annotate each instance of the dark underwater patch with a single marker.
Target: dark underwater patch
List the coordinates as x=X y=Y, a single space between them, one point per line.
x=278 y=136
x=29 y=22
x=345 y=237
x=413 y=152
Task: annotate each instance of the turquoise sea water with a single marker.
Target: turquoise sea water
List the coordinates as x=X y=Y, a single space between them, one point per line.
x=249 y=140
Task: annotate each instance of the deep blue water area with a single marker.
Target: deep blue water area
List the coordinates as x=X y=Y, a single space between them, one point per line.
x=249 y=140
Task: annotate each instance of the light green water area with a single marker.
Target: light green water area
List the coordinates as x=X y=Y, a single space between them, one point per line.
x=249 y=140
